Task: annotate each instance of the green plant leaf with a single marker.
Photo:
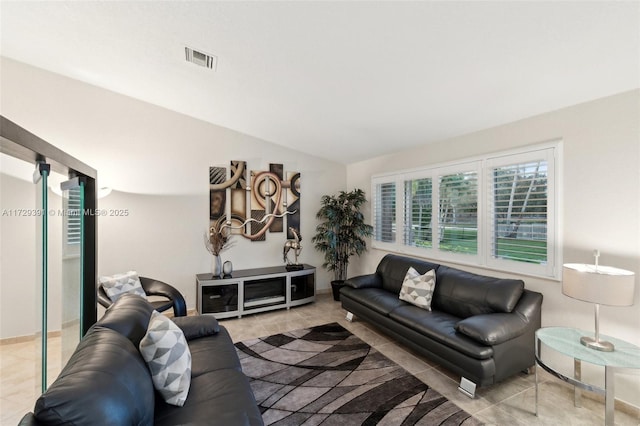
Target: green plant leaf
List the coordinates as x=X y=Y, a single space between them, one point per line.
x=342 y=230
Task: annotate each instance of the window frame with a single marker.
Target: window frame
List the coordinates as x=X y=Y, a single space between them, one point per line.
x=548 y=151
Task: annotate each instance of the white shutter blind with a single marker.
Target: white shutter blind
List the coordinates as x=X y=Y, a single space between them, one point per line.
x=384 y=212
x=74 y=217
x=418 y=210
x=72 y=221
x=519 y=212
x=458 y=212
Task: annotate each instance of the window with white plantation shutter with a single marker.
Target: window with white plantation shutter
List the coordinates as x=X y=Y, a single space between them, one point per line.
x=497 y=211
x=73 y=221
x=418 y=210
x=458 y=212
x=520 y=212
x=384 y=212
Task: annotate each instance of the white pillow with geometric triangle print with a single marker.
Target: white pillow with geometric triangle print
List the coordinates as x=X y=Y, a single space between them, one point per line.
x=418 y=289
x=167 y=354
x=119 y=284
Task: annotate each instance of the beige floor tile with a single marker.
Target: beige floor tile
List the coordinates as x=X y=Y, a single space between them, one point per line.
x=409 y=362
x=369 y=336
x=449 y=388
x=551 y=410
x=493 y=416
x=11 y=411
x=507 y=388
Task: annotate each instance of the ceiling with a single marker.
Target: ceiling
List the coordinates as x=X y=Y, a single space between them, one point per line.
x=344 y=81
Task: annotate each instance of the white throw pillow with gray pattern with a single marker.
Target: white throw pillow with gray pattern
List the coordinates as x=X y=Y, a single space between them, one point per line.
x=418 y=289
x=167 y=354
x=119 y=284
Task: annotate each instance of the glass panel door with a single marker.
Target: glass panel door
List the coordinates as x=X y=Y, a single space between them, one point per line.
x=19 y=284
x=72 y=218
x=40 y=179
x=47 y=251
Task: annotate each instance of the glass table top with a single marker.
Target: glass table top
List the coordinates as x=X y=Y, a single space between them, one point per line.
x=567 y=341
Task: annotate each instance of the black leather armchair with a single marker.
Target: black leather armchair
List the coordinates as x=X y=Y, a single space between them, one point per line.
x=172 y=298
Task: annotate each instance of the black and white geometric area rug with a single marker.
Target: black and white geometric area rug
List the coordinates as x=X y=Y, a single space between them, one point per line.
x=325 y=375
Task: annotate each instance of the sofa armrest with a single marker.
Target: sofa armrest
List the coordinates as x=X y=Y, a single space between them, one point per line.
x=365 y=281
x=492 y=329
x=197 y=326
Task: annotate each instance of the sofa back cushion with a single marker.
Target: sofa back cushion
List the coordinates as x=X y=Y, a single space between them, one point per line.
x=465 y=294
x=393 y=268
x=105 y=382
x=129 y=316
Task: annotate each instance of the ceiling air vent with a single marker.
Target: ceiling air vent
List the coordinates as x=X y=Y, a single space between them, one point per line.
x=200 y=58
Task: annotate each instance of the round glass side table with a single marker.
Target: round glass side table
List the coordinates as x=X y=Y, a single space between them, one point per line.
x=566 y=341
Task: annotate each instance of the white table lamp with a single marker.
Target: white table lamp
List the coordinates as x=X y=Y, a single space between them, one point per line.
x=602 y=285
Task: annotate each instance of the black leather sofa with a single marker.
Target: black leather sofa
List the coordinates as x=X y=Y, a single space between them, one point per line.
x=107 y=382
x=480 y=328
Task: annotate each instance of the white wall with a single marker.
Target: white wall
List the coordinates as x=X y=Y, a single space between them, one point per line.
x=137 y=146
x=17 y=258
x=600 y=198
x=20 y=257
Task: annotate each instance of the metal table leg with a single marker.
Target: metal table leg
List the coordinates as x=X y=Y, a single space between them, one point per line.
x=536 y=373
x=577 y=391
x=609 y=397
x=535 y=366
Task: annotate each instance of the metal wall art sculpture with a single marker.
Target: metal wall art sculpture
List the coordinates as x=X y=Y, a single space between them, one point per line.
x=257 y=205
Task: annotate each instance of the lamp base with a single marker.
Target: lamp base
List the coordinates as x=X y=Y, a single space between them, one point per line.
x=597 y=344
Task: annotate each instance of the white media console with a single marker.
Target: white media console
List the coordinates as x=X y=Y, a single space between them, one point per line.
x=256 y=290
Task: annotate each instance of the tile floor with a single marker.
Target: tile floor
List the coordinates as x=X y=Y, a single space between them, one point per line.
x=508 y=403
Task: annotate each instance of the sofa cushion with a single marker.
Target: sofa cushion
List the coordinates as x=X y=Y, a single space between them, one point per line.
x=440 y=326
x=464 y=294
x=106 y=381
x=219 y=390
x=129 y=316
x=224 y=395
x=392 y=269
x=166 y=352
x=418 y=289
x=377 y=299
x=364 y=281
x=220 y=344
x=195 y=327
x=493 y=329
x=119 y=284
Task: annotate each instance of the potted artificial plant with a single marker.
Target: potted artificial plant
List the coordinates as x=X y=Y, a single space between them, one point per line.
x=341 y=233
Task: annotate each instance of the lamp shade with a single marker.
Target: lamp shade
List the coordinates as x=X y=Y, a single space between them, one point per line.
x=598 y=284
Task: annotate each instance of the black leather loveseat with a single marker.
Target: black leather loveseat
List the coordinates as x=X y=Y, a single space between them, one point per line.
x=481 y=328
x=107 y=382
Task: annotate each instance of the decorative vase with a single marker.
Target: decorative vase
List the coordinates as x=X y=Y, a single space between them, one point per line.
x=216 y=266
x=227 y=268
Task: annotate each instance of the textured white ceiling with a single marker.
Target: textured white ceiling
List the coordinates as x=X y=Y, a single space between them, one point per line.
x=341 y=80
